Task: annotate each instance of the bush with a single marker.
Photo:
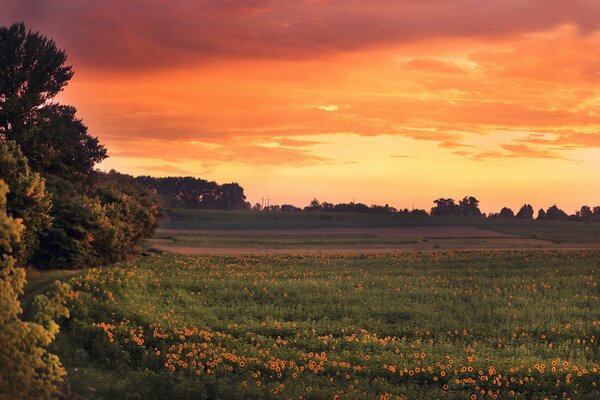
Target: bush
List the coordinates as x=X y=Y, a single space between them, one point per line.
x=28 y=370
x=27 y=199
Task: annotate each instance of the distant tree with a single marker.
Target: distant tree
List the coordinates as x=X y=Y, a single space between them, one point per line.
x=596 y=213
x=327 y=206
x=361 y=208
x=445 y=207
x=257 y=207
x=585 y=214
x=541 y=214
x=289 y=208
x=526 y=212
x=28 y=370
x=314 y=205
x=506 y=213
x=555 y=213
x=191 y=192
x=419 y=212
x=27 y=199
x=32 y=72
x=469 y=206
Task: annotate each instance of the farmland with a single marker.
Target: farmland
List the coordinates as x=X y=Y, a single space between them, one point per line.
x=418 y=325
x=244 y=232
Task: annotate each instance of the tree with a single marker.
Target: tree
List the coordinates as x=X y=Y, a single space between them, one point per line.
x=27 y=199
x=541 y=214
x=555 y=213
x=469 y=206
x=585 y=214
x=289 y=208
x=190 y=192
x=445 y=207
x=314 y=205
x=69 y=241
x=28 y=369
x=32 y=72
x=526 y=212
x=506 y=213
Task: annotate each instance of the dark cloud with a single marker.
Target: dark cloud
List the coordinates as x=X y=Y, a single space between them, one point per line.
x=150 y=34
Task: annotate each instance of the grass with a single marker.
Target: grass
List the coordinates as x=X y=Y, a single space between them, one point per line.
x=417 y=325
x=562 y=232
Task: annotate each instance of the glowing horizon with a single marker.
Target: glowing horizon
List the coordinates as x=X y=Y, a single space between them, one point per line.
x=397 y=102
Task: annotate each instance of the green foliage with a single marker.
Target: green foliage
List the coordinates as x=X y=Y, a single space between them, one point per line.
x=28 y=370
x=127 y=213
x=27 y=198
x=413 y=325
x=100 y=227
x=69 y=242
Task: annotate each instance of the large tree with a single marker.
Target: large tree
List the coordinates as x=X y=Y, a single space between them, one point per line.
x=526 y=212
x=32 y=72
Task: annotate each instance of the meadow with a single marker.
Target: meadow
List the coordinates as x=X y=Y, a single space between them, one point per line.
x=420 y=325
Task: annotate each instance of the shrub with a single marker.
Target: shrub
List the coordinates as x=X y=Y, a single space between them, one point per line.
x=28 y=369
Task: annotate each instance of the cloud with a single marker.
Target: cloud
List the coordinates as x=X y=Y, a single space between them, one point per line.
x=144 y=34
x=221 y=81
x=208 y=156
x=169 y=169
x=403 y=156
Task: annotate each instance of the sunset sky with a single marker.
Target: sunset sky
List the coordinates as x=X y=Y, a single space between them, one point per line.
x=381 y=101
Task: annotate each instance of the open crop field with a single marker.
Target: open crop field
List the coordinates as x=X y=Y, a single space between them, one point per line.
x=247 y=232
x=419 y=325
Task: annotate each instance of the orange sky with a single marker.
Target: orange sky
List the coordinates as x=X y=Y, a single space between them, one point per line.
x=387 y=101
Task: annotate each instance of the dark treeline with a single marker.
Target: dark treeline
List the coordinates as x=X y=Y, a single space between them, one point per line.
x=443 y=207
x=190 y=192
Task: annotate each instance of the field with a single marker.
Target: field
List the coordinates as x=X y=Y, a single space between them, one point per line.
x=450 y=325
x=243 y=232
x=243 y=305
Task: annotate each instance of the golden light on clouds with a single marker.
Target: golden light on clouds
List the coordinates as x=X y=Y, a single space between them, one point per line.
x=388 y=103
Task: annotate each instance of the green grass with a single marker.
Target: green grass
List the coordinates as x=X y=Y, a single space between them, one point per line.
x=563 y=232
x=417 y=326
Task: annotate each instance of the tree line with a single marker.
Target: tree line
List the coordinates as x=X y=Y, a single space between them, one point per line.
x=443 y=207
x=190 y=192
x=56 y=209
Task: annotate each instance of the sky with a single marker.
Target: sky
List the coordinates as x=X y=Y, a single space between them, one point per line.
x=376 y=101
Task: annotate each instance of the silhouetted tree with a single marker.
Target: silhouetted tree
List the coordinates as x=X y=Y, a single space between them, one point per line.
x=526 y=212
x=555 y=213
x=327 y=206
x=469 y=206
x=32 y=72
x=445 y=207
x=585 y=214
x=541 y=214
x=506 y=213
x=289 y=208
x=190 y=192
x=314 y=205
